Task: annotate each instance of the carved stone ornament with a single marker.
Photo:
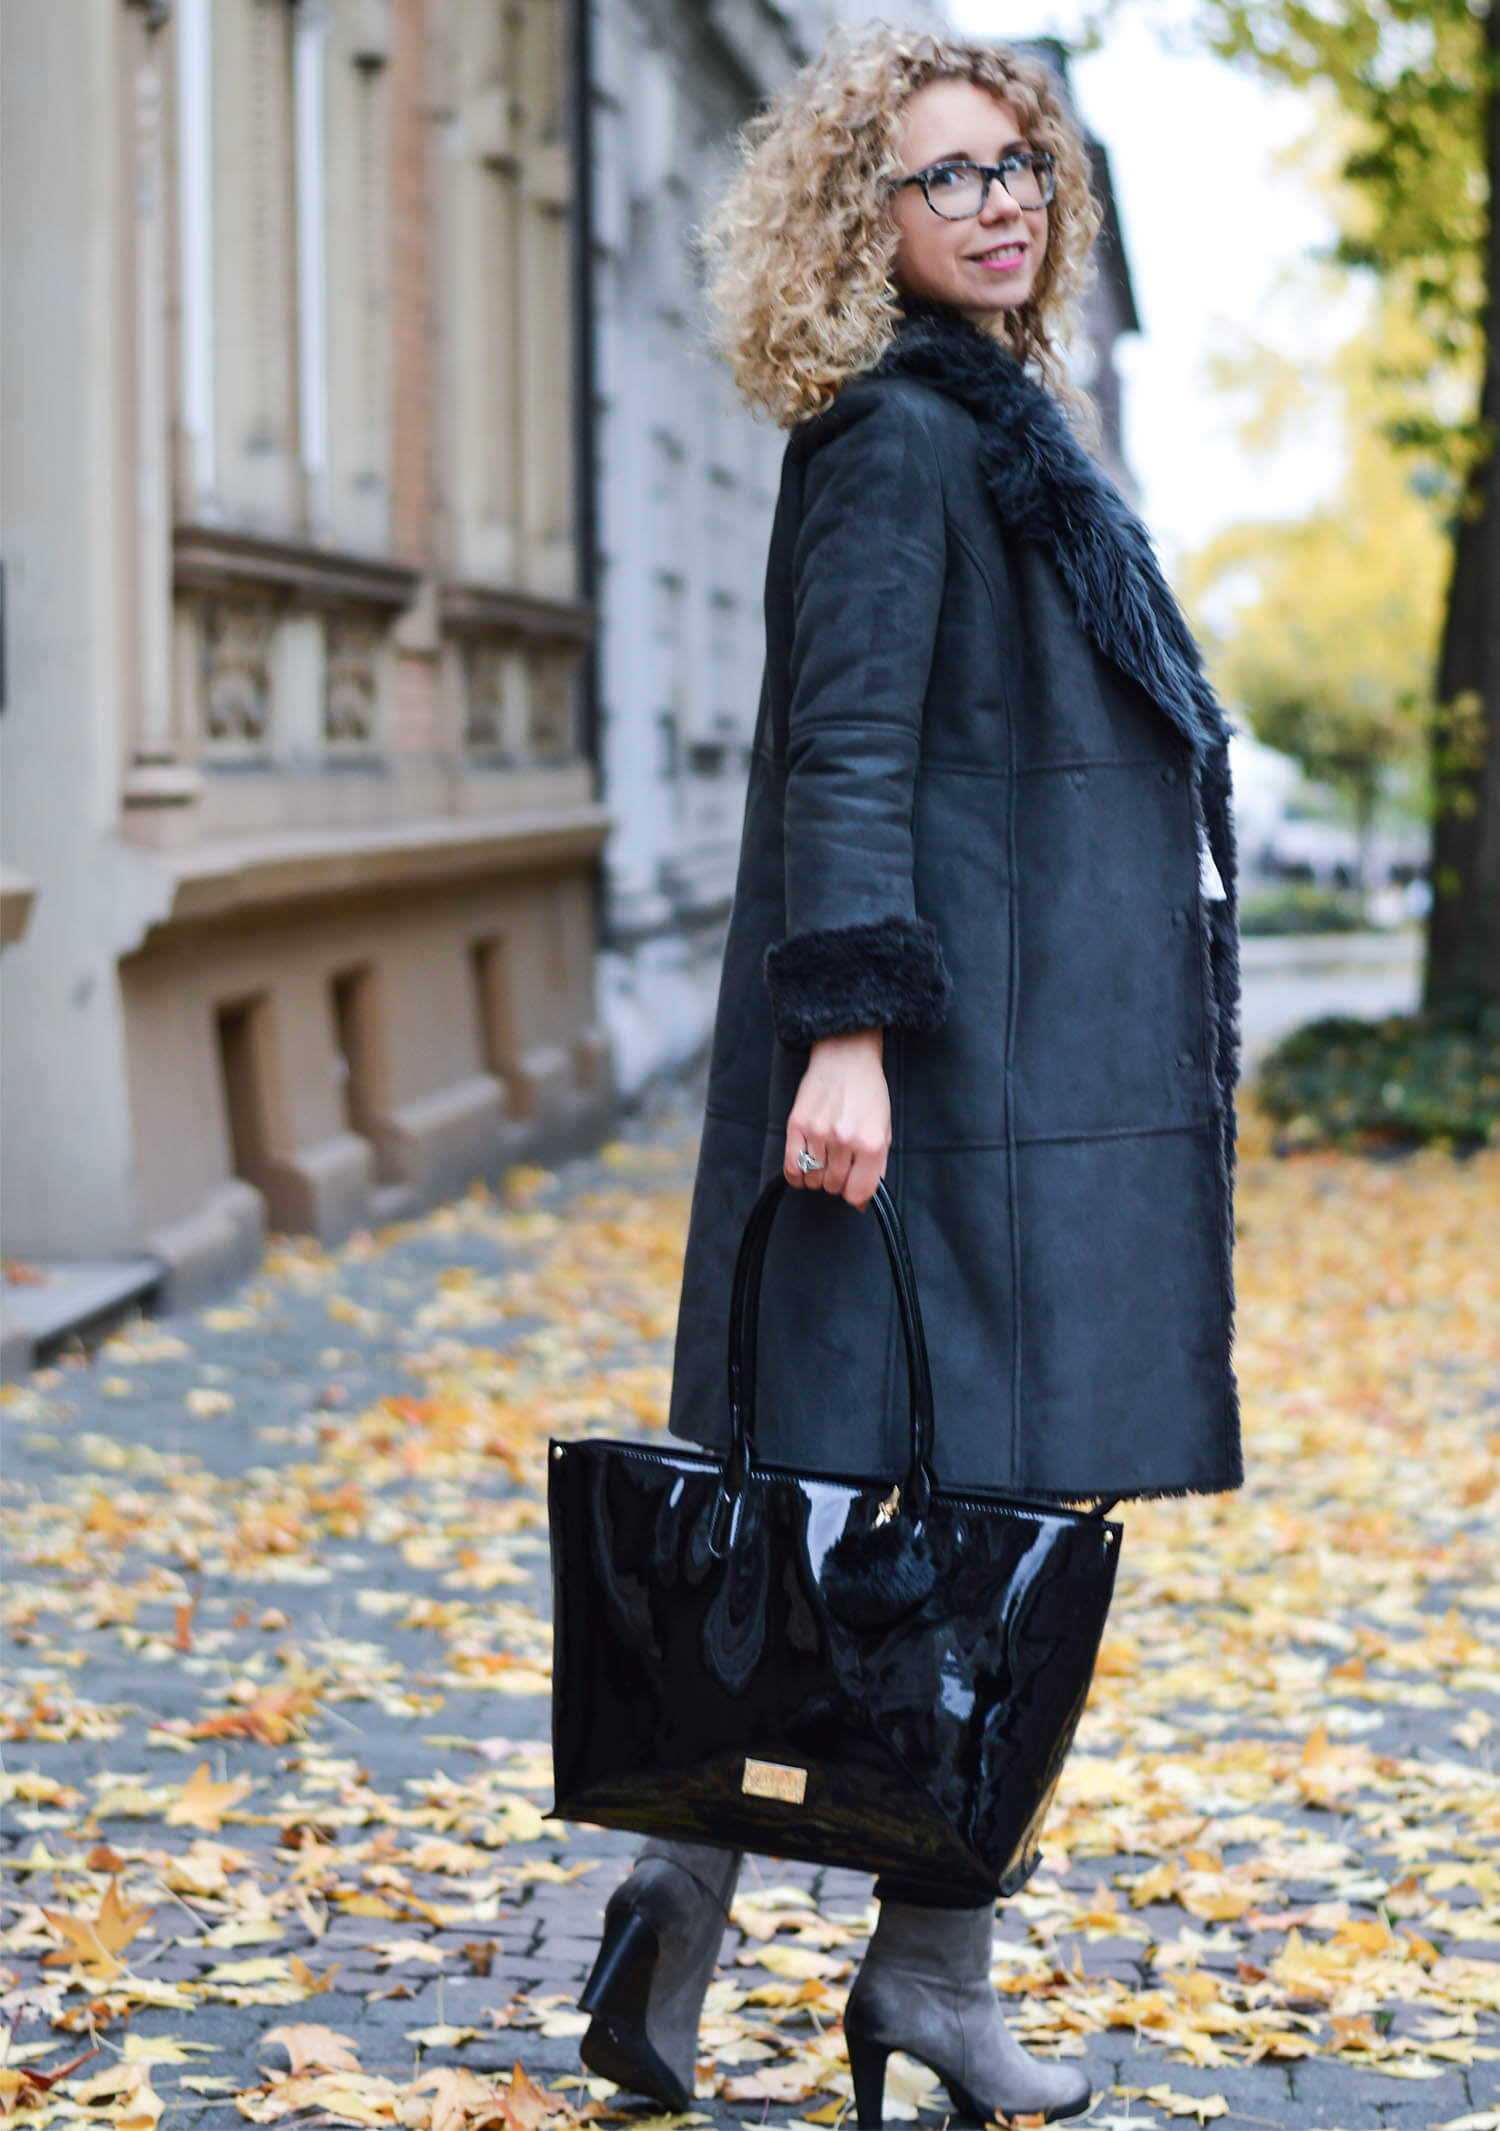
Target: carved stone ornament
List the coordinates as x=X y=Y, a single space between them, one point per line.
x=550 y=736
x=236 y=664
x=485 y=697
x=520 y=703
x=352 y=646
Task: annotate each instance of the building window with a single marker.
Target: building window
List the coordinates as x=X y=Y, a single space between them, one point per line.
x=254 y=282
x=510 y=392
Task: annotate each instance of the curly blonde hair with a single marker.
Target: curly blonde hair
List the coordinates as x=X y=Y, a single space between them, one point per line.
x=801 y=248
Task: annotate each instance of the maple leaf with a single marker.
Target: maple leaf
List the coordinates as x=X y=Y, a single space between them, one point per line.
x=527 y=2106
x=795 y=1964
x=32 y=1788
x=313 y=2048
x=397 y=1951
x=458 y=2099
x=313 y=1986
x=164 y=2049
x=95 y=1943
x=271 y=1717
x=15 y=2080
x=203 y=1804
x=347 y=2097
x=443 y=2035
x=1203 y=2106
x=133 y=2103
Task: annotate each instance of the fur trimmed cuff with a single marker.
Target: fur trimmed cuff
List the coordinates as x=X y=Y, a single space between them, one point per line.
x=888 y=975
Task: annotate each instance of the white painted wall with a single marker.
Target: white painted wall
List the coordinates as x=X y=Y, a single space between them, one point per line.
x=687 y=484
x=65 y=395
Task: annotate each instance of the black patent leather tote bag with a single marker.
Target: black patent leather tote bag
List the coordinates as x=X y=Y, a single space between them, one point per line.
x=820 y=1668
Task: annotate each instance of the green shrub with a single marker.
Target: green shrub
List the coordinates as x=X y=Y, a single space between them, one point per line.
x=1299 y=907
x=1399 y=1082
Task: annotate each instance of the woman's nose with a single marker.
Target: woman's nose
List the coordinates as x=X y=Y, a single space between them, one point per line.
x=998 y=204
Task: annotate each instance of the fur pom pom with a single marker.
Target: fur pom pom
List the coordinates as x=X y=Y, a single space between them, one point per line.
x=874 y=1577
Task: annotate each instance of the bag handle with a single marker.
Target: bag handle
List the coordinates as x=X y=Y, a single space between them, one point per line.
x=744 y=1318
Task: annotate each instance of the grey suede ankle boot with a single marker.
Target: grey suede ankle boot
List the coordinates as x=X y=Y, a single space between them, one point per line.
x=663 y=1927
x=924 y=1989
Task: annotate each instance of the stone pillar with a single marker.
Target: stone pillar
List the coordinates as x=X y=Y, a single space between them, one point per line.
x=415 y=476
x=70 y=125
x=155 y=775
x=310 y=163
x=195 y=258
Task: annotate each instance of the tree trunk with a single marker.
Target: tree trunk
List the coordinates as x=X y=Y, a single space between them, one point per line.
x=1365 y=790
x=1463 y=932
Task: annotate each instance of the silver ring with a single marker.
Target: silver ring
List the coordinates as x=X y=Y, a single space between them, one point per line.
x=808 y=1162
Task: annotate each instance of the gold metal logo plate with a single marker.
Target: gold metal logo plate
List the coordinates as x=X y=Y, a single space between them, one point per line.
x=769 y=1779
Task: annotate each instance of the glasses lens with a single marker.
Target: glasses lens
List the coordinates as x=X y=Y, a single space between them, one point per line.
x=955 y=190
x=1028 y=180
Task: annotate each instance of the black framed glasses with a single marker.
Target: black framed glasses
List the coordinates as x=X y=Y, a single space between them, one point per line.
x=958 y=191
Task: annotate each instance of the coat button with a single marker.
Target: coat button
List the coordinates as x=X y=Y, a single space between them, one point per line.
x=1169 y=776
x=1185 y=1059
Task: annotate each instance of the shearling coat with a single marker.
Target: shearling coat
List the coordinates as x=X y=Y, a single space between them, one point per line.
x=987 y=777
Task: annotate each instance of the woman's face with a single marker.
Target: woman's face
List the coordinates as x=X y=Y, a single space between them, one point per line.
x=983 y=266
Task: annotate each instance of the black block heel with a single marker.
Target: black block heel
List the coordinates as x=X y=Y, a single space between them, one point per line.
x=867 y=2062
x=621 y=1977
x=616 y=2044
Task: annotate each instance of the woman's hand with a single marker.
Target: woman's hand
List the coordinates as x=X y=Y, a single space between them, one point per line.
x=842 y=1117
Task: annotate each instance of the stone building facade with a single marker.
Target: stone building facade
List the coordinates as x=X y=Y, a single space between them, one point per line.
x=297 y=777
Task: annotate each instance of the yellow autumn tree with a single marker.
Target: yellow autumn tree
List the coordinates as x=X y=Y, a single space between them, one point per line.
x=1323 y=629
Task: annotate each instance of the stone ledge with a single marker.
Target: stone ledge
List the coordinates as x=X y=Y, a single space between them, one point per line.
x=69 y=1297
x=247 y=876
x=206 y=1251
x=210 y=558
x=323 y=1190
x=484 y=610
x=436 y=1143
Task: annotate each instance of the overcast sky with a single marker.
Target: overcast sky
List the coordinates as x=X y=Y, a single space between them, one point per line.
x=1211 y=229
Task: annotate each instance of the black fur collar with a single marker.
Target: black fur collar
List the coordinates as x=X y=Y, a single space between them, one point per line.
x=1045 y=487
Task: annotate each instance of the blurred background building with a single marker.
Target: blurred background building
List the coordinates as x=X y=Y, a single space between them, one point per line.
x=686 y=487
x=383 y=557
x=294 y=767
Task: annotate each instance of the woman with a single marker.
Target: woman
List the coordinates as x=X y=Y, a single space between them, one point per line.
x=983 y=937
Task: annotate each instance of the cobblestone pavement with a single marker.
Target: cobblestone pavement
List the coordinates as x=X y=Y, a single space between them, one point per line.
x=211 y=1563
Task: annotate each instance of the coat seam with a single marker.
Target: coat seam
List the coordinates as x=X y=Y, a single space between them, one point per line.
x=1012 y=1001
x=897 y=1109
x=958 y=768
x=1082 y=1135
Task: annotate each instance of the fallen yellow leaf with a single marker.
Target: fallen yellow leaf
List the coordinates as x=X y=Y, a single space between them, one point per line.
x=203 y=1804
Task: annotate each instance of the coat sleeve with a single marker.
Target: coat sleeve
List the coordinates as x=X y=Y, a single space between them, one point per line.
x=867 y=585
